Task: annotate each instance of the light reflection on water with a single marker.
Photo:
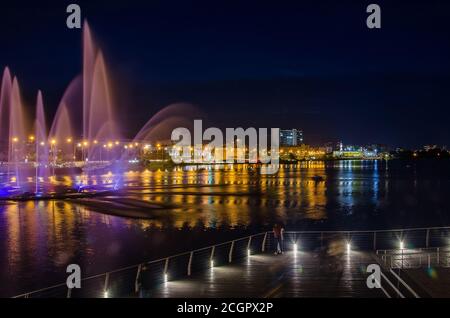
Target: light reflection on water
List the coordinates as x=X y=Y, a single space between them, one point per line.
x=39 y=239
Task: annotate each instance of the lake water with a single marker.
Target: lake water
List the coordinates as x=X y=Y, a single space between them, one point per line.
x=39 y=239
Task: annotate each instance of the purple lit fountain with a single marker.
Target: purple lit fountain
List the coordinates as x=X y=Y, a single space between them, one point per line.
x=32 y=158
x=82 y=141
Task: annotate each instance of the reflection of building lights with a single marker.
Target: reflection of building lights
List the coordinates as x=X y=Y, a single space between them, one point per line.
x=42 y=143
x=95 y=142
x=105 y=294
x=116 y=142
x=85 y=143
x=31 y=138
x=53 y=141
x=69 y=140
x=15 y=139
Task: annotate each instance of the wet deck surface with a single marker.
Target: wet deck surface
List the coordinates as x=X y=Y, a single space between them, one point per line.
x=435 y=282
x=304 y=274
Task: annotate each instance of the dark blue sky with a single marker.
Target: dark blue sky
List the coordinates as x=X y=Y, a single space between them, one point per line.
x=306 y=64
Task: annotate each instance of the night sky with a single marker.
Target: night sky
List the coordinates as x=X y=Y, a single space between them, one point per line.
x=312 y=65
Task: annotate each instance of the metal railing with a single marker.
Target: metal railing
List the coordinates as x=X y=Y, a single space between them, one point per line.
x=415 y=258
x=123 y=282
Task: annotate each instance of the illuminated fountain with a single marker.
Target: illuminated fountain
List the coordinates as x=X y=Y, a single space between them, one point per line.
x=82 y=140
x=41 y=146
x=23 y=150
x=98 y=113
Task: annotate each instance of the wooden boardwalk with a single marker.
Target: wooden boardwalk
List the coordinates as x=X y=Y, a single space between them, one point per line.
x=303 y=274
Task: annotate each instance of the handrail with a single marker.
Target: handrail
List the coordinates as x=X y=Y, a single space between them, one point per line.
x=404 y=284
x=392 y=285
x=146 y=263
x=407 y=251
x=374 y=231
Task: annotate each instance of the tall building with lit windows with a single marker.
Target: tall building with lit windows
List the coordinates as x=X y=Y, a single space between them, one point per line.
x=291 y=137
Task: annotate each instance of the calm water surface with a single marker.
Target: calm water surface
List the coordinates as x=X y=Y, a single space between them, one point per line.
x=39 y=239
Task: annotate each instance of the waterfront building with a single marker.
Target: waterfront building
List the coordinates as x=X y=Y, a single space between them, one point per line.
x=291 y=137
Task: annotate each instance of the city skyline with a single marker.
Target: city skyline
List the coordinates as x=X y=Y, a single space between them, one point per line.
x=227 y=150
x=377 y=92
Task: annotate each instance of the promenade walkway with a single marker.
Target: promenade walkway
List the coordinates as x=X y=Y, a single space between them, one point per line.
x=300 y=274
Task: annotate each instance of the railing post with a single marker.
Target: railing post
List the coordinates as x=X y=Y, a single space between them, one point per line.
x=191 y=255
x=374 y=241
x=105 y=288
x=230 y=254
x=249 y=243
x=263 y=247
x=211 y=257
x=438 y=256
x=427 y=240
x=136 y=281
x=402 y=258
x=166 y=266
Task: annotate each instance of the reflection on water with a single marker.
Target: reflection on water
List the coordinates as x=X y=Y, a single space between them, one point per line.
x=39 y=239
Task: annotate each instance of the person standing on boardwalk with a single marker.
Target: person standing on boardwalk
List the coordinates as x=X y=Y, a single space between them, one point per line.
x=278 y=231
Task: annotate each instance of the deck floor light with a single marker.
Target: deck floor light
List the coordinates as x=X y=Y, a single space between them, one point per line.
x=349 y=247
x=105 y=294
x=166 y=278
x=295 y=247
x=402 y=245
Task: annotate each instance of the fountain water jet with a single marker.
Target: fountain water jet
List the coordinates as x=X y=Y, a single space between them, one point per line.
x=17 y=133
x=41 y=143
x=5 y=102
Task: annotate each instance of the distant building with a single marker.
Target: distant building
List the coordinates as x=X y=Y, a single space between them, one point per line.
x=302 y=152
x=291 y=137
